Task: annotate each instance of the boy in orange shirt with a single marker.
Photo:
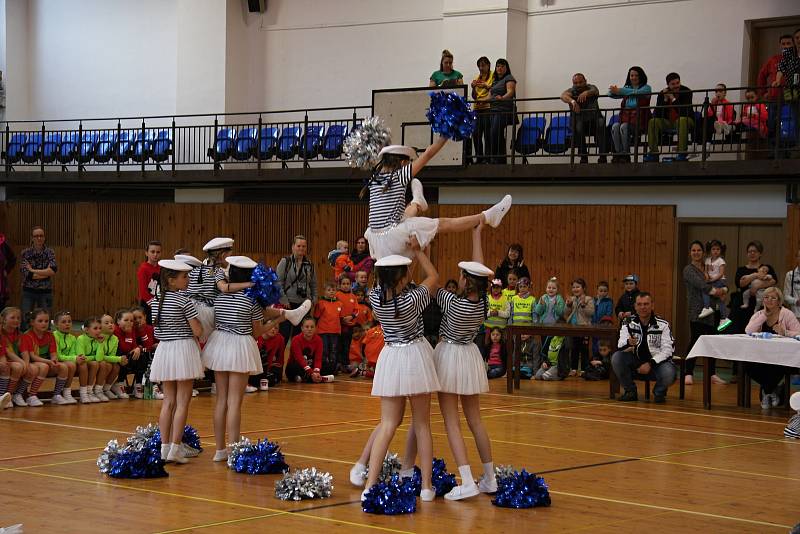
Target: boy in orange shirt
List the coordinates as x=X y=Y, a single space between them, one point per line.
x=373 y=345
x=349 y=313
x=329 y=314
x=342 y=264
x=363 y=312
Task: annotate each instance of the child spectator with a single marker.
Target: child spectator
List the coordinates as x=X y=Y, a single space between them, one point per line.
x=145 y=337
x=549 y=367
x=719 y=115
x=511 y=284
x=356 y=352
x=361 y=282
x=495 y=355
x=328 y=313
x=108 y=353
x=21 y=373
x=305 y=352
x=67 y=349
x=271 y=348
x=747 y=294
x=755 y=116
x=373 y=345
x=349 y=304
x=38 y=348
x=598 y=365
x=579 y=311
x=550 y=307
x=339 y=259
x=715 y=275
x=89 y=347
x=147 y=277
x=363 y=314
x=523 y=304
x=528 y=359
x=130 y=346
x=603 y=305
x=624 y=307
x=497 y=308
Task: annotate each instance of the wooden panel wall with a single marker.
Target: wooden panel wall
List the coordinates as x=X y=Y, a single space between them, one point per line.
x=792 y=234
x=99 y=245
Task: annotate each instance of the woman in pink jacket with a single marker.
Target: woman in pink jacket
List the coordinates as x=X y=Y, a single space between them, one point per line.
x=775 y=319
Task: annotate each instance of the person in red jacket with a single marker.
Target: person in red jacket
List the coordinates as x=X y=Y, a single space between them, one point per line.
x=271 y=347
x=132 y=346
x=305 y=354
x=146 y=338
x=719 y=115
x=147 y=277
x=766 y=77
x=329 y=313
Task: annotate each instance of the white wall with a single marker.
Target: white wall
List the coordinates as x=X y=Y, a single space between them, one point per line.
x=16 y=73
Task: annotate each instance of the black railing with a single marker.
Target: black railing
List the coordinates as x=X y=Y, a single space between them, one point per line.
x=537 y=129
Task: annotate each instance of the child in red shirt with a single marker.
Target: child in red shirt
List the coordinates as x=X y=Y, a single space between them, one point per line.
x=305 y=360
x=38 y=348
x=363 y=312
x=271 y=347
x=146 y=338
x=132 y=346
x=329 y=313
x=147 y=276
x=342 y=264
x=14 y=371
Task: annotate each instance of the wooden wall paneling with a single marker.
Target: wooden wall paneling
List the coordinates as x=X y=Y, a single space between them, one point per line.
x=792 y=234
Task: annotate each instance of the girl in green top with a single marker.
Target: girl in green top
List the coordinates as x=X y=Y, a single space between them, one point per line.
x=89 y=347
x=108 y=352
x=67 y=350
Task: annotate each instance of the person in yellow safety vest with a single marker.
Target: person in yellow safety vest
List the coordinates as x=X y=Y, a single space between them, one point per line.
x=497 y=310
x=523 y=304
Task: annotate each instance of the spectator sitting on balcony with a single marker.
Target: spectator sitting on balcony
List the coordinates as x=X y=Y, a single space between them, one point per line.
x=719 y=115
x=586 y=115
x=635 y=107
x=754 y=115
x=673 y=111
x=446 y=76
x=767 y=91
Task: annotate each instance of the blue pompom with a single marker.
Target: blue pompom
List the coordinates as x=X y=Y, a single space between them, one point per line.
x=451 y=116
x=441 y=480
x=391 y=498
x=191 y=438
x=265 y=292
x=261 y=458
x=142 y=463
x=521 y=490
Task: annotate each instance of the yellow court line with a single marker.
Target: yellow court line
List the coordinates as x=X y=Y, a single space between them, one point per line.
x=20 y=420
x=93 y=459
x=206 y=499
x=218 y=523
x=53 y=453
x=670 y=509
x=716 y=448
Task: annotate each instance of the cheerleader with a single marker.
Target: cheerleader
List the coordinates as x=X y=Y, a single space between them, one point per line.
x=391 y=223
x=176 y=362
x=232 y=352
x=14 y=371
x=461 y=372
x=405 y=367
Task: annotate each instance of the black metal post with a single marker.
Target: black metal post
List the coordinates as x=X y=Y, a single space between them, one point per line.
x=636 y=133
x=7 y=144
x=118 y=143
x=304 y=141
x=80 y=147
x=513 y=131
x=573 y=122
x=258 y=144
x=703 y=112
x=41 y=149
x=144 y=148
x=214 y=146
x=174 y=146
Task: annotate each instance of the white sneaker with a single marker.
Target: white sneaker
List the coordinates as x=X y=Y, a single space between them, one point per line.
x=5 y=400
x=358 y=475
x=705 y=312
x=717 y=380
x=58 y=399
x=263 y=385
x=774 y=400
x=119 y=390
x=195 y=393
x=250 y=389
x=765 y=401
x=495 y=214
x=86 y=398
x=176 y=454
x=34 y=402
x=462 y=492
x=101 y=396
x=214 y=388
x=94 y=398
x=67 y=394
x=296 y=316
x=328 y=378
x=487 y=485
x=364 y=494
x=110 y=394
x=138 y=391
x=427 y=495
x=221 y=455
x=417 y=195
x=189 y=452
x=157 y=392
x=19 y=400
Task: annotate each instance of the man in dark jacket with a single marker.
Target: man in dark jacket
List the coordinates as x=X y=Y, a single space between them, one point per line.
x=673 y=111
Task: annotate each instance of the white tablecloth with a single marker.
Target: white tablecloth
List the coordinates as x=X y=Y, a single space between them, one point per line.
x=741 y=347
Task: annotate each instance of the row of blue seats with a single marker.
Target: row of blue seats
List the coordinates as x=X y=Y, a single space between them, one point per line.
x=287 y=143
x=83 y=147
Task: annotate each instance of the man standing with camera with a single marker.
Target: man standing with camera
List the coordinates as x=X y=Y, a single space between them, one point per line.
x=298 y=282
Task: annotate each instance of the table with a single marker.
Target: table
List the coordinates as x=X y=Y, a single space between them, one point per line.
x=744 y=348
x=566 y=330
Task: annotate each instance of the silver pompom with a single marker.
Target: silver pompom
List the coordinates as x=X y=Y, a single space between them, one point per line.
x=104 y=460
x=391 y=465
x=304 y=484
x=503 y=471
x=362 y=146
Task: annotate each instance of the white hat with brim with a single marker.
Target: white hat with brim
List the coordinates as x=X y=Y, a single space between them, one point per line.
x=242 y=262
x=794 y=401
x=174 y=265
x=476 y=269
x=400 y=150
x=394 y=260
x=218 y=243
x=188 y=260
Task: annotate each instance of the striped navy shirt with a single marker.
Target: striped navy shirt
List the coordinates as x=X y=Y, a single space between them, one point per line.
x=407 y=326
x=235 y=312
x=461 y=318
x=207 y=291
x=387 y=197
x=173 y=322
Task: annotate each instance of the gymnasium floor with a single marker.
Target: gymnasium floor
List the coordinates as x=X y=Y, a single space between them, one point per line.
x=611 y=467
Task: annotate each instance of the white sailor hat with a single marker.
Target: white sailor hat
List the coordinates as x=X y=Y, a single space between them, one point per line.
x=188 y=260
x=174 y=265
x=218 y=243
x=400 y=150
x=476 y=269
x=794 y=401
x=393 y=260
x=242 y=262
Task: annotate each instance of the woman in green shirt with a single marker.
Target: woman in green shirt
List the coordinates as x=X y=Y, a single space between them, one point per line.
x=446 y=76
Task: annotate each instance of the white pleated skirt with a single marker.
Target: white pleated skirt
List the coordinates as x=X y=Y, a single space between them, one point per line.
x=232 y=352
x=394 y=240
x=405 y=370
x=205 y=314
x=460 y=368
x=176 y=360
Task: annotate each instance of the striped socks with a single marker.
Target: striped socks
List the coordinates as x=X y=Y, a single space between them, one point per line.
x=59 y=388
x=22 y=387
x=4 y=382
x=35 y=385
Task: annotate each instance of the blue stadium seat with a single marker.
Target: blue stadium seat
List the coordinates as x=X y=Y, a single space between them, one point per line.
x=32 y=149
x=245 y=144
x=334 y=141
x=88 y=146
x=123 y=145
x=224 y=144
x=557 y=138
x=289 y=142
x=105 y=146
x=142 y=146
x=269 y=142
x=13 y=152
x=52 y=140
x=530 y=135
x=68 y=148
x=311 y=144
x=162 y=146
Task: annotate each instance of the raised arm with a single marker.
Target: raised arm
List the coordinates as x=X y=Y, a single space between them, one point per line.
x=431 y=280
x=418 y=164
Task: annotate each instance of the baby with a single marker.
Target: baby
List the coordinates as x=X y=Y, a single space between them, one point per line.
x=747 y=294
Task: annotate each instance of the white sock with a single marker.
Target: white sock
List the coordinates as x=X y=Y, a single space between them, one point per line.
x=82 y=389
x=407 y=473
x=466 y=475
x=360 y=467
x=488 y=470
x=164 y=450
x=98 y=389
x=107 y=387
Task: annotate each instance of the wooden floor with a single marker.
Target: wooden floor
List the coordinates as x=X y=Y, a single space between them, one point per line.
x=611 y=467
